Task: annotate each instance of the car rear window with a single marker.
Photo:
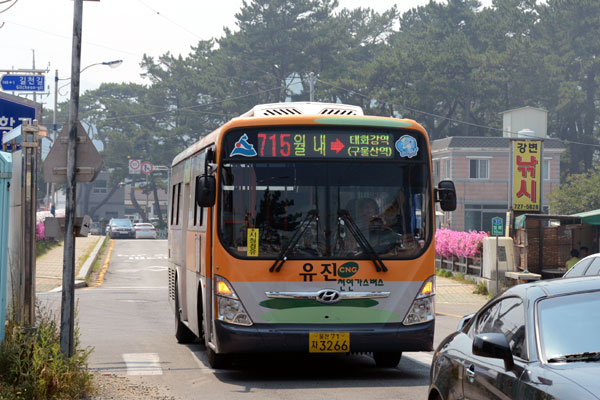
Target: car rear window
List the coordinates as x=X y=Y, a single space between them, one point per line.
x=594 y=269
x=121 y=222
x=579 y=268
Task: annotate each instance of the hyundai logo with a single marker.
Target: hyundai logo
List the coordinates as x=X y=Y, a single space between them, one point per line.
x=328 y=296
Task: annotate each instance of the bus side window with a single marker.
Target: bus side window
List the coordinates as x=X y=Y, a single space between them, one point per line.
x=173 y=203
x=179 y=207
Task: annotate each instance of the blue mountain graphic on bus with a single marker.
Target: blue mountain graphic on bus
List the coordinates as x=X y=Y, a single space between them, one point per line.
x=243 y=148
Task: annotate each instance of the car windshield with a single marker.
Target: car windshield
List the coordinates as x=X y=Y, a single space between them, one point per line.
x=325 y=208
x=569 y=325
x=121 y=222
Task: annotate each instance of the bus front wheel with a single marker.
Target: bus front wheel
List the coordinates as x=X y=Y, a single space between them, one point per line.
x=217 y=361
x=387 y=360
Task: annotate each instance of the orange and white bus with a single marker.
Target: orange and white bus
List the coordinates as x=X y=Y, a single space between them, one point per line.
x=305 y=227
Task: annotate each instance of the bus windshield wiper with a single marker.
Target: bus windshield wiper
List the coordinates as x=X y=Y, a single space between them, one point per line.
x=344 y=215
x=310 y=217
x=587 y=356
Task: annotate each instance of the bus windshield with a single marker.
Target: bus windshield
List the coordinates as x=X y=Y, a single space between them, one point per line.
x=322 y=208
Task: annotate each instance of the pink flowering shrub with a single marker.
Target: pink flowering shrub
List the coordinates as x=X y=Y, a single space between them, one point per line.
x=460 y=244
x=40 y=231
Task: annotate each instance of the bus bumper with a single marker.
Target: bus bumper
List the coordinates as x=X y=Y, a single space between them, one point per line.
x=269 y=338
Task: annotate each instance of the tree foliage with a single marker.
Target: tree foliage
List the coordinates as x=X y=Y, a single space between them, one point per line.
x=453 y=66
x=580 y=192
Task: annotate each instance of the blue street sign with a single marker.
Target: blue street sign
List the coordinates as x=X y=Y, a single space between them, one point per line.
x=25 y=83
x=12 y=115
x=497 y=225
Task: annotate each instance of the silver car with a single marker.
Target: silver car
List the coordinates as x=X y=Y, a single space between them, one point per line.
x=144 y=230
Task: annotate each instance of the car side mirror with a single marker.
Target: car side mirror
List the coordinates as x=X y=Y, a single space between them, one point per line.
x=493 y=345
x=206 y=189
x=445 y=193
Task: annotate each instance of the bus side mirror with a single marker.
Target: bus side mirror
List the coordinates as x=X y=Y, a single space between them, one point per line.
x=206 y=189
x=446 y=195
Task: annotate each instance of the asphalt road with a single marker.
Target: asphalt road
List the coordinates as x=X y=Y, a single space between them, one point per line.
x=129 y=323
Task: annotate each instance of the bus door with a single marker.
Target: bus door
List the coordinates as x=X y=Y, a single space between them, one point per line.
x=203 y=243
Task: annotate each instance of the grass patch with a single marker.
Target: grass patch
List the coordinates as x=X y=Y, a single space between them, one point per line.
x=481 y=289
x=443 y=273
x=33 y=367
x=98 y=261
x=45 y=245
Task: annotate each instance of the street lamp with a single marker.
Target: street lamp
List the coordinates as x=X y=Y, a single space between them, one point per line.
x=112 y=64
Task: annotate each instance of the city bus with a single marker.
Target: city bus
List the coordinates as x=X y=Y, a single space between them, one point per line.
x=305 y=228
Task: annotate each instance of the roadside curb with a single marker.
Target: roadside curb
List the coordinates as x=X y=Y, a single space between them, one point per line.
x=86 y=268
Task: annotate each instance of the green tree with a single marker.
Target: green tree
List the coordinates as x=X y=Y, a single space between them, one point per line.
x=566 y=39
x=580 y=192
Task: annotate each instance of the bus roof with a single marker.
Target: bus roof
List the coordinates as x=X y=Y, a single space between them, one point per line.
x=297 y=113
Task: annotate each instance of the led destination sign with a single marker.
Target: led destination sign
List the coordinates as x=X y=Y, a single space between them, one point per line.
x=316 y=144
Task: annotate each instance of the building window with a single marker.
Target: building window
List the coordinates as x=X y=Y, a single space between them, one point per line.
x=479 y=217
x=479 y=169
x=447 y=172
x=436 y=170
x=546 y=170
x=99 y=186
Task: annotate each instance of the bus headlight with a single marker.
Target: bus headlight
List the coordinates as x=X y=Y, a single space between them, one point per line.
x=423 y=307
x=230 y=309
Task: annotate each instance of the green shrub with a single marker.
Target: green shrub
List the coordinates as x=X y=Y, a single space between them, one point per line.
x=33 y=367
x=481 y=289
x=444 y=273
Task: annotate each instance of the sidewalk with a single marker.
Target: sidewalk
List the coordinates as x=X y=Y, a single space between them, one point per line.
x=456 y=299
x=49 y=267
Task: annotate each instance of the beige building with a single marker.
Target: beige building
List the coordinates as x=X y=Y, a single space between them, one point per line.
x=480 y=168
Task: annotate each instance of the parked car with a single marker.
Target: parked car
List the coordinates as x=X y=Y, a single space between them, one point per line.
x=120 y=227
x=145 y=230
x=536 y=340
x=589 y=266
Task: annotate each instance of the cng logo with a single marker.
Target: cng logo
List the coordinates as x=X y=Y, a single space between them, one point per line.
x=348 y=269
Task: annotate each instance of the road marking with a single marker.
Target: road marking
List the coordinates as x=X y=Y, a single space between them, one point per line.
x=449 y=314
x=128 y=288
x=105 y=266
x=142 y=363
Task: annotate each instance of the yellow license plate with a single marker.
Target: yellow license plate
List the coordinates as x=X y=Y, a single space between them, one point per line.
x=328 y=342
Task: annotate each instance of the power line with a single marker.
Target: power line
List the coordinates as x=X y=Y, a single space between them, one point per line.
x=188 y=108
x=170 y=20
x=564 y=141
x=70 y=38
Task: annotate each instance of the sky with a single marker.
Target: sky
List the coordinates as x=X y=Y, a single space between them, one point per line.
x=117 y=30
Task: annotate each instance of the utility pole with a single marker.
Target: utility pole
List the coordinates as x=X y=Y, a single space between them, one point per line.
x=68 y=292
x=311 y=84
x=29 y=200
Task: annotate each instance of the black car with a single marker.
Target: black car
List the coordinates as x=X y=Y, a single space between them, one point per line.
x=589 y=266
x=538 y=340
x=120 y=227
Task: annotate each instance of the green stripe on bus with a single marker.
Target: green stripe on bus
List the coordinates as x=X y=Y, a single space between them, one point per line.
x=390 y=123
x=330 y=315
x=283 y=304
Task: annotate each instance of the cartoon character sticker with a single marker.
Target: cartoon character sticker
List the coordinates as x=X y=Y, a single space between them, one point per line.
x=407 y=146
x=243 y=148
